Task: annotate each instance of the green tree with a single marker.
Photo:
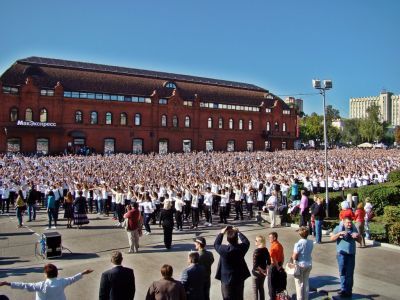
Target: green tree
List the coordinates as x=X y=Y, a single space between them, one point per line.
x=331 y=114
x=351 y=132
x=311 y=128
x=371 y=129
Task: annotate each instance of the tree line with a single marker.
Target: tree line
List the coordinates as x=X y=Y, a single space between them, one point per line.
x=354 y=132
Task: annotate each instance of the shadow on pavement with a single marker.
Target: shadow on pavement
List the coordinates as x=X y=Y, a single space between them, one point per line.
x=4 y=273
x=174 y=248
x=15 y=233
x=328 y=283
x=357 y=296
x=10 y=260
x=77 y=255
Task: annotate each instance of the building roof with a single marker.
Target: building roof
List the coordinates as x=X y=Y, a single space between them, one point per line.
x=89 y=77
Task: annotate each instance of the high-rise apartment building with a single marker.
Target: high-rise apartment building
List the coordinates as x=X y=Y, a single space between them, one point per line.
x=389 y=105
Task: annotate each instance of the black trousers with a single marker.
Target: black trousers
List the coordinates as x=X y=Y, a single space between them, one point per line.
x=222 y=214
x=168 y=236
x=208 y=213
x=178 y=219
x=238 y=210
x=232 y=291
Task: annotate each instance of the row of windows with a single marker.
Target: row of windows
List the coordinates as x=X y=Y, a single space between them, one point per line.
x=210 y=124
x=10 y=90
x=139 y=99
x=276 y=126
x=102 y=96
x=94 y=118
x=228 y=106
x=42 y=145
x=14 y=114
x=137 y=120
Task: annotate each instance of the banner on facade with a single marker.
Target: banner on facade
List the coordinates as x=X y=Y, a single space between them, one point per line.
x=35 y=124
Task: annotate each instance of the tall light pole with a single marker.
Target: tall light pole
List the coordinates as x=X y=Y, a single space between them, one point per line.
x=327 y=85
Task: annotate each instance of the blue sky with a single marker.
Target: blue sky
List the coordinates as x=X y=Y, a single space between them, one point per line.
x=278 y=45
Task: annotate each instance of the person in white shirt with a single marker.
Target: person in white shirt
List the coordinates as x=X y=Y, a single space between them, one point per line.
x=50 y=289
x=272 y=205
x=179 y=203
x=208 y=203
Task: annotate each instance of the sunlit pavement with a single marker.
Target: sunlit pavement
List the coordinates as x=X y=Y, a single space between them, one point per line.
x=376 y=271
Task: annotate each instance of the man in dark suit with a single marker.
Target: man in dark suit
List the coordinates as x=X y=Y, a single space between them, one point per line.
x=232 y=269
x=117 y=283
x=206 y=259
x=193 y=278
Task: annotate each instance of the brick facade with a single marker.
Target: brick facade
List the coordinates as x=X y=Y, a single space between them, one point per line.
x=64 y=90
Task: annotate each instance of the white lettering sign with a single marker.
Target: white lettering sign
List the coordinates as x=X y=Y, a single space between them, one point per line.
x=35 y=124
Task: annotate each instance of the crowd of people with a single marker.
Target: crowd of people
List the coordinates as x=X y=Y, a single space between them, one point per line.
x=189 y=190
x=199 y=186
x=232 y=271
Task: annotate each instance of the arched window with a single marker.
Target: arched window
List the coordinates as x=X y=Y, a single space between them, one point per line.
x=170 y=85
x=284 y=127
x=220 y=123
x=138 y=119
x=108 y=118
x=164 y=120
x=268 y=127
x=231 y=123
x=175 y=122
x=78 y=116
x=240 y=124
x=28 y=114
x=93 y=117
x=250 y=125
x=187 y=121
x=43 y=115
x=210 y=123
x=123 y=119
x=276 y=126
x=13 y=114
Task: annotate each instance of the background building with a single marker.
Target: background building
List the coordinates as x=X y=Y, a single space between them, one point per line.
x=293 y=102
x=51 y=105
x=387 y=102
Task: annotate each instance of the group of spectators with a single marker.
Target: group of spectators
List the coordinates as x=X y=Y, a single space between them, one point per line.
x=140 y=190
x=199 y=185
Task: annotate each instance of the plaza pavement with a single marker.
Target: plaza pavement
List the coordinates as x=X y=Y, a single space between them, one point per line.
x=376 y=274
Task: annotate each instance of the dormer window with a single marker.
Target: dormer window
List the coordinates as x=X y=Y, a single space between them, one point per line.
x=170 y=85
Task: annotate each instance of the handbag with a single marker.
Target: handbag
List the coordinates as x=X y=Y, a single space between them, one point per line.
x=283 y=296
x=292 y=269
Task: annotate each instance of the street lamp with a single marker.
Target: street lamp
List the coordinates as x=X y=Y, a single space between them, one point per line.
x=326 y=85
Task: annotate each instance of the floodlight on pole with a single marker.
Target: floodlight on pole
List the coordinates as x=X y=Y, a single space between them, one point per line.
x=323 y=87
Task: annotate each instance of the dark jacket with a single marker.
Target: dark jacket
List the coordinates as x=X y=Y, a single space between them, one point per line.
x=32 y=196
x=193 y=279
x=167 y=218
x=318 y=211
x=206 y=259
x=232 y=267
x=166 y=289
x=117 y=283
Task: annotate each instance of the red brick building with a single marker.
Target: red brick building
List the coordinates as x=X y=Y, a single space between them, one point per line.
x=49 y=105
